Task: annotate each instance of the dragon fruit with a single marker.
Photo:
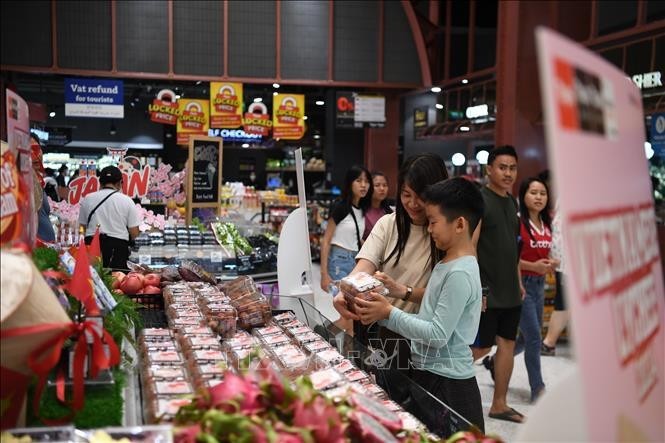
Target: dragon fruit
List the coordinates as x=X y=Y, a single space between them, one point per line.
x=236 y=389
x=377 y=410
x=321 y=418
x=369 y=430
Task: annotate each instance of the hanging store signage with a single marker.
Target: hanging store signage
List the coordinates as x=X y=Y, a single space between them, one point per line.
x=658 y=133
x=614 y=279
x=135 y=179
x=370 y=109
x=94 y=98
x=419 y=122
x=648 y=80
x=344 y=107
x=288 y=112
x=257 y=121
x=164 y=108
x=194 y=119
x=234 y=135
x=225 y=105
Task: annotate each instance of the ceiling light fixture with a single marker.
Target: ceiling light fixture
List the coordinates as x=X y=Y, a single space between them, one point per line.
x=320 y=103
x=258 y=100
x=275 y=85
x=51 y=114
x=177 y=97
x=482 y=157
x=274 y=93
x=435 y=89
x=464 y=128
x=245 y=145
x=465 y=81
x=439 y=106
x=317 y=136
x=458 y=159
x=305 y=117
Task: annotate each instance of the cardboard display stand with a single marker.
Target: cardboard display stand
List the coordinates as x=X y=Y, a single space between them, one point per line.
x=204 y=173
x=613 y=277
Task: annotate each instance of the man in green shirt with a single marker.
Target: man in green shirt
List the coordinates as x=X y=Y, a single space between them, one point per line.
x=498 y=258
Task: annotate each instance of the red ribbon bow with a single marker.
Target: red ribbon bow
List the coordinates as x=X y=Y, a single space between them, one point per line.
x=43 y=359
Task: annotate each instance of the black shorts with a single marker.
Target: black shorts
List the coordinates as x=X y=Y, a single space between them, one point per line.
x=559 y=302
x=502 y=322
x=462 y=396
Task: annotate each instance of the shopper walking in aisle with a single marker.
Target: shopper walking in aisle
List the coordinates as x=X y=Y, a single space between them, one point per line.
x=498 y=259
x=343 y=236
x=45 y=231
x=403 y=253
x=62 y=181
x=536 y=238
x=560 y=316
x=447 y=322
x=380 y=205
x=116 y=215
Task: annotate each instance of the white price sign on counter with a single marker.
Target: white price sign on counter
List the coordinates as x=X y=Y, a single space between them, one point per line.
x=145 y=259
x=216 y=256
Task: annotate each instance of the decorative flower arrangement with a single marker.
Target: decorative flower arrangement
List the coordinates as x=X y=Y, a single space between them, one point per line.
x=168 y=186
x=66 y=212
x=260 y=406
x=150 y=219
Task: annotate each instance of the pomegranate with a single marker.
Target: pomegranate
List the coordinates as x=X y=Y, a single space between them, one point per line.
x=149 y=289
x=118 y=277
x=152 y=280
x=132 y=284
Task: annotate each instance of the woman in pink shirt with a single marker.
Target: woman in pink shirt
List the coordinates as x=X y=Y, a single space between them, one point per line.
x=380 y=205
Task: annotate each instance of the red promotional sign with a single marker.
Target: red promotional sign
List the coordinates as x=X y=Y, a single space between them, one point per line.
x=257 y=120
x=135 y=181
x=164 y=108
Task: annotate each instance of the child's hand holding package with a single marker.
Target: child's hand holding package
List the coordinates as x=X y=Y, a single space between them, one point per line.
x=373 y=308
x=358 y=286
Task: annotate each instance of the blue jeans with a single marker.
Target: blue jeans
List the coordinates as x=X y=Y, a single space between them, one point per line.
x=340 y=262
x=531 y=323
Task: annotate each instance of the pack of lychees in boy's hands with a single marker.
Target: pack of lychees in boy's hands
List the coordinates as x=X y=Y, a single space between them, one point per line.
x=360 y=284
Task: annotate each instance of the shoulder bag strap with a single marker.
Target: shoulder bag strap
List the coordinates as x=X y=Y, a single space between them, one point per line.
x=355 y=222
x=97 y=207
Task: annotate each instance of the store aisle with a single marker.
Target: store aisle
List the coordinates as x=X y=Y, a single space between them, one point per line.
x=554 y=369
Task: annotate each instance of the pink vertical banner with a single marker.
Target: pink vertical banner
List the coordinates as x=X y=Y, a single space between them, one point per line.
x=595 y=137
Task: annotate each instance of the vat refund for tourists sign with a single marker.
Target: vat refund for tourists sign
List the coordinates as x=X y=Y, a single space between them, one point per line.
x=96 y=98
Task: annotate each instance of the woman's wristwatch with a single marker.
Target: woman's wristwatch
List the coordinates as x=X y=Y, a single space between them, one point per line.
x=409 y=293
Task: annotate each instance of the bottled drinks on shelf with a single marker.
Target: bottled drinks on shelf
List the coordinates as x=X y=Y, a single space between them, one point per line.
x=83 y=169
x=92 y=169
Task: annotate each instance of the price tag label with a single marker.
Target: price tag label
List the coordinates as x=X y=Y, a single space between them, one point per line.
x=145 y=259
x=216 y=256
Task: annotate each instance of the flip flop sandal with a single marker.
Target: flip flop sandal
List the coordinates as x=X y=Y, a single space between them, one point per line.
x=508 y=415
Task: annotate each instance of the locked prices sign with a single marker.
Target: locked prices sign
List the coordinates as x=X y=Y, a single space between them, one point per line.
x=225 y=105
x=194 y=119
x=257 y=121
x=164 y=108
x=288 y=112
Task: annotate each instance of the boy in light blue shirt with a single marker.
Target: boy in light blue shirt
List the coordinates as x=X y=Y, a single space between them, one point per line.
x=447 y=322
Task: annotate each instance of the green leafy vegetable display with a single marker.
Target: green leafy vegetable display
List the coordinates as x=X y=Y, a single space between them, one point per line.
x=227 y=235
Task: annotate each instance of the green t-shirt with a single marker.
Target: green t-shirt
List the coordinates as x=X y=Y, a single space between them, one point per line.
x=497 y=250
